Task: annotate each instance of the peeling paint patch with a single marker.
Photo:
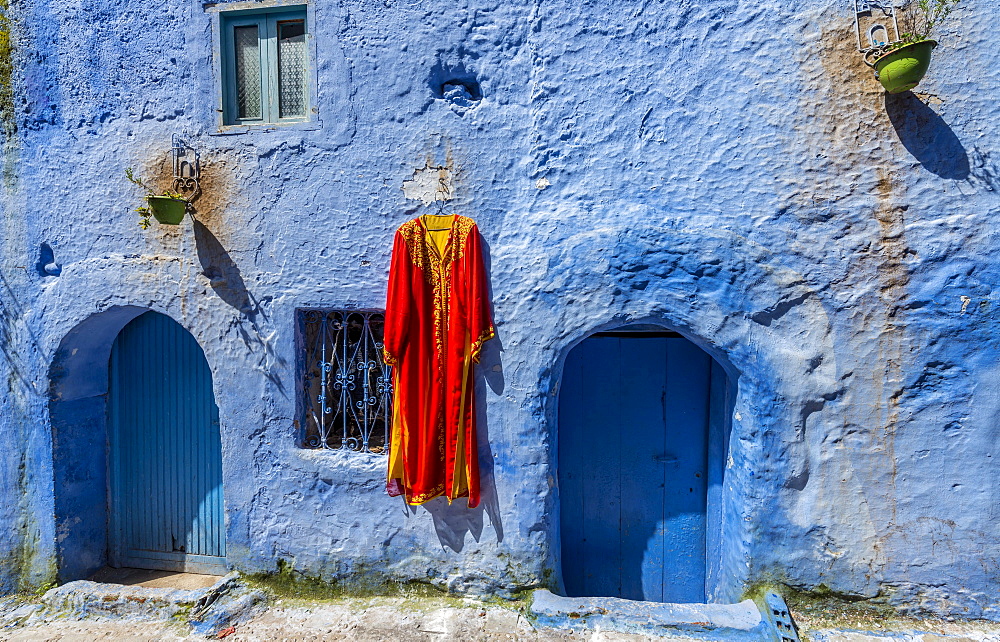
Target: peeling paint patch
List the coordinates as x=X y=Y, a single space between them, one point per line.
x=429 y=184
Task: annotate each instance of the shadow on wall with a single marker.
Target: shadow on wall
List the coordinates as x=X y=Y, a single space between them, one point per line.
x=10 y=312
x=222 y=272
x=17 y=340
x=224 y=276
x=78 y=377
x=925 y=135
x=452 y=522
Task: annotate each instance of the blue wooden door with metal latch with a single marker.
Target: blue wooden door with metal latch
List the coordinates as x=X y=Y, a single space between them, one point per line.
x=165 y=453
x=633 y=450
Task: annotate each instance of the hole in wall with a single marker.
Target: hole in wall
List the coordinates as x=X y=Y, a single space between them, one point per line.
x=46 y=264
x=456 y=84
x=461 y=91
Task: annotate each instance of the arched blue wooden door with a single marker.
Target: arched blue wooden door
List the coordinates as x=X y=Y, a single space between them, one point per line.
x=165 y=452
x=633 y=450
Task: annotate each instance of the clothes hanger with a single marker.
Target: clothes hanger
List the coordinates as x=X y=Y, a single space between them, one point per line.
x=440 y=212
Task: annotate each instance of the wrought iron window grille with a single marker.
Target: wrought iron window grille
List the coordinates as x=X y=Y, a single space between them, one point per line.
x=346 y=392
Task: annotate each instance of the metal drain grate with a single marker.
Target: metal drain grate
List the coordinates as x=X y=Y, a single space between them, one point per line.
x=780 y=618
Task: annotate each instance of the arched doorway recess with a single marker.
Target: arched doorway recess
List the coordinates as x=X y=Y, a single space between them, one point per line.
x=643 y=422
x=136 y=447
x=164 y=451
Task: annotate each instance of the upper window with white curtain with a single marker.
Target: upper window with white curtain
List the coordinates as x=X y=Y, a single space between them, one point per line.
x=265 y=67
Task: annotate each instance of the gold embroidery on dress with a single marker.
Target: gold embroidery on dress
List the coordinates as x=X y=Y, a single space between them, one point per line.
x=413 y=233
x=437 y=273
x=436 y=270
x=463 y=226
x=477 y=345
x=426 y=496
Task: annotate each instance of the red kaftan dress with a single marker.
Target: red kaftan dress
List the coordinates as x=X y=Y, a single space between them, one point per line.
x=437 y=318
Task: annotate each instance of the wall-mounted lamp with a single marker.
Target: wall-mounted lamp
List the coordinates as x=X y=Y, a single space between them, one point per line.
x=187 y=169
x=873 y=18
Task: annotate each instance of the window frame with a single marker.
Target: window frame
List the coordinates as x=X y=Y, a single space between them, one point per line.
x=266 y=20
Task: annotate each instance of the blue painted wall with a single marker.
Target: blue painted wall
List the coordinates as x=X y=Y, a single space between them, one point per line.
x=728 y=169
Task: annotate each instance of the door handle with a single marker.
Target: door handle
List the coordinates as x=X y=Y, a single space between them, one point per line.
x=665 y=459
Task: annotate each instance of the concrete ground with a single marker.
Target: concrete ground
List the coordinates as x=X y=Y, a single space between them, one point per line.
x=379 y=619
x=421 y=618
x=390 y=619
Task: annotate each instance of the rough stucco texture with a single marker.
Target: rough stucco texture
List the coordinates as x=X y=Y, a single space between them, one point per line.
x=731 y=170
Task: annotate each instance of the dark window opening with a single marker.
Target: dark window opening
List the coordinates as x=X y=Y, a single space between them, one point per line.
x=346 y=387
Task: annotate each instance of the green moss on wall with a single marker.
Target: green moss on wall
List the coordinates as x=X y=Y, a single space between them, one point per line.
x=821 y=608
x=35 y=574
x=289 y=583
x=6 y=71
x=8 y=122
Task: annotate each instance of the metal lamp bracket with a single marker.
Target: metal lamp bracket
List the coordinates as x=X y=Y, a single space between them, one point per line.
x=874 y=18
x=186 y=168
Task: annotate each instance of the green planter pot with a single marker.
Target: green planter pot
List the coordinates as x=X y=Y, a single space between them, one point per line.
x=901 y=69
x=166 y=210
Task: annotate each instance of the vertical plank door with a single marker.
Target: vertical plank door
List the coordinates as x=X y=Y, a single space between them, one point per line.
x=633 y=435
x=165 y=454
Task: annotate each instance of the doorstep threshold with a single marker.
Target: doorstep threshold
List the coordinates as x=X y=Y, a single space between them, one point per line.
x=147 y=578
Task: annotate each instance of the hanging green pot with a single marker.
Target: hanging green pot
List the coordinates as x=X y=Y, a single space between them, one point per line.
x=901 y=69
x=167 y=210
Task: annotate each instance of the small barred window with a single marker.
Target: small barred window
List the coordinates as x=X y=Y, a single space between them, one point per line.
x=346 y=386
